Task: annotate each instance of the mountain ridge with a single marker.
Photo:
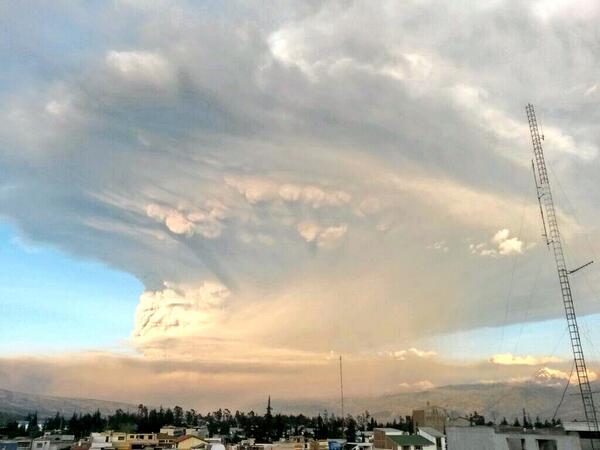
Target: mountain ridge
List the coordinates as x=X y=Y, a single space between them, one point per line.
x=494 y=401
x=17 y=404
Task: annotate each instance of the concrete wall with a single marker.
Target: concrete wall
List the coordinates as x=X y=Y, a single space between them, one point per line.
x=433 y=439
x=485 y=438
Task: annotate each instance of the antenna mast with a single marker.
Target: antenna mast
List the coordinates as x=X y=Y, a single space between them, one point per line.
x=552 y=236
x=342 y=391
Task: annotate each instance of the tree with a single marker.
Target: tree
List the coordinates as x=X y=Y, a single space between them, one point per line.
x=504 y=421
x=372 y=424
x=350 y=429
x=178 y=416
x=169 y=417
x=33 y=430
x=516 y=423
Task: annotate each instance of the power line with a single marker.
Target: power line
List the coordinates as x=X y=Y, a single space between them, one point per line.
x=562 y=398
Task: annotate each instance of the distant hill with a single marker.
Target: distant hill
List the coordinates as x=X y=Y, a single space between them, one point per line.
x=495 y=401
x=17 y=404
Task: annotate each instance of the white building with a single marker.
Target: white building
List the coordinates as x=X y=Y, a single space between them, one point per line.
x=100 y=441
x=433 y=435
x=201 y=431
x=53 y=442
x=509 y=438
x=172 y=430
x=582 y=429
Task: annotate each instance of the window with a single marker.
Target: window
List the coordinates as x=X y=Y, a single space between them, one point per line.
x=546 y=444
x=121 y=438
x=39 y=445
x=515 y=444
x=418 y=447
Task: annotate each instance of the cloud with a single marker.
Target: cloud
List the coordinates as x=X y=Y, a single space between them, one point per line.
x=439 y=246
x=140 y=66
x=206 y=223
x=218 y=152
x=257 y=190
x=423 y=385
x=549 y=376
x=204 y=380
x=177 y=311
x=403 y=354
x=325 y=237
x=503 y=243
x=507 y=359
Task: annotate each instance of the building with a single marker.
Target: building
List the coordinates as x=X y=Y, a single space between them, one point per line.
x=200 y=431
x=582 y=429
x=392 y=439
x=364 y=436
x=409 y=442
x=8 y=444
x=187 y=442
x=380 y=435
x=172 y=430
x=97 y=441
x=433 y=435
x=18 y=443
x=166 y=441
x=51 y=441
x=123 y=441
x=510 y=438
x=431 y=416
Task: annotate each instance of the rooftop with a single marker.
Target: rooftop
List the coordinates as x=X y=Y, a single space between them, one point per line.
x=432 y=432
x=410 y=439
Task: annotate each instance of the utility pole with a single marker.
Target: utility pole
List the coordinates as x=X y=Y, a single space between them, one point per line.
x=553 y=241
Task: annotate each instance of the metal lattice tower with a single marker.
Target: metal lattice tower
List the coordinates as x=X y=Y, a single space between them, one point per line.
x=552 y=235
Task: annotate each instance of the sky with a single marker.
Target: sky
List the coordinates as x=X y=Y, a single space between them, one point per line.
x=206 y=204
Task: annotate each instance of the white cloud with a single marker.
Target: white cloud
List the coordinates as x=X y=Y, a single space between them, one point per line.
x=551 y=377
x=403 y=354
x=439 y=246
x=325 y=237
x=309 y=230
x=206 y=223
x=256 y=189
x=57 y=108
x=508 y=359
x=141 y=66
x=503 y=245
x=423 y=385
x=177 y=311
